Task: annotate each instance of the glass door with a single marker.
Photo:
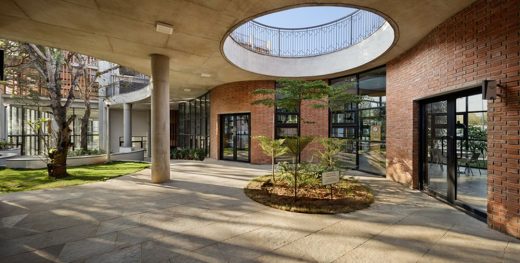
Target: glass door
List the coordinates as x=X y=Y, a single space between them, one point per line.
x=234 y=137
x=454 y=149
x=436 y=147
x=227 y=137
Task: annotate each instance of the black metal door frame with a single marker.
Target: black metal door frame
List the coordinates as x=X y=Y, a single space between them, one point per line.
x=222 y=117
x=451 y=195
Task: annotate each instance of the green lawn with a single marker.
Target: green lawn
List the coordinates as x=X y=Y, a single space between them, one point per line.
x=23 y=180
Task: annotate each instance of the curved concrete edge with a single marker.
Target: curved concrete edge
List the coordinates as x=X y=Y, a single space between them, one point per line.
x=16 y=151
x=137 y=155
x=346 y=59
x=39 y=163
x=133 y=96
x=5 y=156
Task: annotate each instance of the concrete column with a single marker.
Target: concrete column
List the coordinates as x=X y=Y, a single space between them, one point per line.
x=101 y=118
x=149 y=136
x=127 y=124
x=107 y=138
x=160 y=118
x=3 y=119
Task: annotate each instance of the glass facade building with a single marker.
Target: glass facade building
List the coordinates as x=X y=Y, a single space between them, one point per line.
x=193 y=124
x=22 y=132
x=363 y=125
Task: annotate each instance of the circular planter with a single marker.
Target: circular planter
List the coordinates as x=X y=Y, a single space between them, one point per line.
x=348 y=195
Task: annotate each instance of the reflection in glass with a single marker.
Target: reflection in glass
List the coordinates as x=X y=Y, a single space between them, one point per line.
x=436 y=172
x=193 y=124
x=472 y=152
x=372 y=121
x=228 y=137
x=476 y=103
x=243 y=138
x=363 y=125
x=235 y=137
x=286 y=132
x=287 y=119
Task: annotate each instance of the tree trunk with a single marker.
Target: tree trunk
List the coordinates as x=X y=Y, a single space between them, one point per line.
x=272 y=165
x=297 y=157
x=84 y=128
x=57 y=167
x=295 y=178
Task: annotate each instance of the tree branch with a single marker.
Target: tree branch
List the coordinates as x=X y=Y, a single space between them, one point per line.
x=38 y=52
x=70 y=120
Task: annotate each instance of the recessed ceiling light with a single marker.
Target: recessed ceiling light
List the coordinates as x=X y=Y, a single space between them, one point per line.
x=187 y=90
x=205 y=75
x=163 y=28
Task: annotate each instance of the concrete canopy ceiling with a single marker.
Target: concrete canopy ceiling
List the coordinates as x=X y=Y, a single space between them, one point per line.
x=123 y=31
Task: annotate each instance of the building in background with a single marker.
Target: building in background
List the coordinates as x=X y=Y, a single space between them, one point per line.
x=24 y=101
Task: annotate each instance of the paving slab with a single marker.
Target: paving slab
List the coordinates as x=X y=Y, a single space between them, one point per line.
x=203 y=215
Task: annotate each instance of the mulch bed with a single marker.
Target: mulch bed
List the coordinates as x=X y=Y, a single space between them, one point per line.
x=348 y=195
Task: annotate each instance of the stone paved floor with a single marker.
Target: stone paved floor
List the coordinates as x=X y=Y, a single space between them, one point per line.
x=203 y=216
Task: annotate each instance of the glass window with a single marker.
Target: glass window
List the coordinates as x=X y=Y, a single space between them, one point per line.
x=286 y=124
x=373 y=82
x=461 y=104
x=286 y=118
x=344 y=117
x=340 y=132
x=286 y=132
x=368 y=119
x=193 y=120
x=476 y=103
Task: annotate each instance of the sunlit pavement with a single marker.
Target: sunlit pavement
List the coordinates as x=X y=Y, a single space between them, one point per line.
x=202 y=215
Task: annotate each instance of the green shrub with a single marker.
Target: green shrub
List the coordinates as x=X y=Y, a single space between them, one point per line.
x=187 y=154
x=331 y=147
x=307 y=174
x=4 y=145
x=82 y=152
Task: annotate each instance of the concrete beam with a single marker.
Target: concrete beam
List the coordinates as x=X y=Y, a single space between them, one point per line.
x=160 y=118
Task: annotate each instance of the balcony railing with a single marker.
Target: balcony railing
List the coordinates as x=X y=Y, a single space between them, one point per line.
x=309 y=41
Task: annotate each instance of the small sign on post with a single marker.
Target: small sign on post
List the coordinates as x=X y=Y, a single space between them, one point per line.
x=330 y=178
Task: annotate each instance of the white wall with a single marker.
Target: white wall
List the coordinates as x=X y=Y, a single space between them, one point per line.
x=140 y=125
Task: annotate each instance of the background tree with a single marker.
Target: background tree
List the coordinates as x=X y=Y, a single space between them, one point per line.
x=21 y=79
x=49 y=63
x=86 y=89
x=272 y=148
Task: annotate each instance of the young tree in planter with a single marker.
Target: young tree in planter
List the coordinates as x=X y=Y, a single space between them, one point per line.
x=272 y=148
x=331 y=147
x=296 y=145
x=290 y=94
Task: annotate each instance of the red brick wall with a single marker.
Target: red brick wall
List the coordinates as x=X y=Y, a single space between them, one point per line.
x=315 y=122
x=237 y=98
x=481 y=42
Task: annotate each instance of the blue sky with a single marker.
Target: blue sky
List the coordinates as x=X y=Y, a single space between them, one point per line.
x=304 y=16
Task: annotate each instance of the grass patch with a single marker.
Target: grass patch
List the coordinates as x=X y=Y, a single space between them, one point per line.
x=12 y=180
x=348 y=195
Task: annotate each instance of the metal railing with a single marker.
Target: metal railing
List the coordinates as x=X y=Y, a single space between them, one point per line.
x=122 y=84
x=33 y=144
x=138 y=142
x=309 y=41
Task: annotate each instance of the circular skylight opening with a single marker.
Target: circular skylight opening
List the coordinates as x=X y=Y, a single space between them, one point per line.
x=308 y=41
